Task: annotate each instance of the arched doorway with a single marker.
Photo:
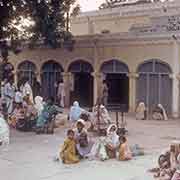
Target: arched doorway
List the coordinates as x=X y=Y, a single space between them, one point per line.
x=116 y=76
x=26 y=69
x=50 y=74
x=82 y=90
x=154 y=84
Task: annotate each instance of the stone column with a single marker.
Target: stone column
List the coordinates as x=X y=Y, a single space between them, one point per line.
x=175 y=91
x=15 y=77
x=132 y=91
x=97 y=81
x=66 y=78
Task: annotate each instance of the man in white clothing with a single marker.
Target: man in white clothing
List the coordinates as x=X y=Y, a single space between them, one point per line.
x=26 y=89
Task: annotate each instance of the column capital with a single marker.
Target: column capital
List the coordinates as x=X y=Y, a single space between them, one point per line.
x=133 y=75
x=96 y=74
x=174 y=76
x=64 y=74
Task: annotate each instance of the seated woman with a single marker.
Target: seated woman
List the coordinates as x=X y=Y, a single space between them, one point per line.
x=159 y=113
x=46 y=116
x=100 y=116
x=98 y=150
x=83 y=145
x=112 y=141
x=75 y=112
x=4 y=132
x=18 y=115
x=124 y=150
x=141 y=112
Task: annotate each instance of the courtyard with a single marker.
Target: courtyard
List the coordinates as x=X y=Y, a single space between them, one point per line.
x=30 y=156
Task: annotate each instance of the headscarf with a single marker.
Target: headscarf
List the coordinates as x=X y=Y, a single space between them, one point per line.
x=81 y=121
x=38 y=104
x=75 y=112
x=112 y=137
x=141 y=107
x=164 y=112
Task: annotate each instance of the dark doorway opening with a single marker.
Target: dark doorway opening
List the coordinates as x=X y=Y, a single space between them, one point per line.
x=83 y=89
x=118 y=85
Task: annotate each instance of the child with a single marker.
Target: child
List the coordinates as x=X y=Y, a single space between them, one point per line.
x=176 y=175
x=68 y=152
x=17 y=115
x=124 y=150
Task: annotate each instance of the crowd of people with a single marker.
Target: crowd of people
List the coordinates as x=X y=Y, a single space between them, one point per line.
x=19 y=109
x=22 y=110
x=169 y=163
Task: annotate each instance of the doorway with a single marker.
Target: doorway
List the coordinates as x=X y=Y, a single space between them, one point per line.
x=82 y=83
x=83 y=89
x=118 y=85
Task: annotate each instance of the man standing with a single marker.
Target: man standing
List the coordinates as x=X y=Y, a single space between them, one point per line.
x=9 y=93
x=61 y=93
x=26 y=89
x=104 y=93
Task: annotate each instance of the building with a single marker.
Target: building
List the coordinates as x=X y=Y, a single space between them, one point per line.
x=135 y=48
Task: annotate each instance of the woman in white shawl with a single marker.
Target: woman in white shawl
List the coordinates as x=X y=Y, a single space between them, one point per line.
x=159 y=113
x=26 y=89
x=106 y=145
x=4 y=132
x=141 y=111
x=38 y=104
x=112 y=141
x=104 y=118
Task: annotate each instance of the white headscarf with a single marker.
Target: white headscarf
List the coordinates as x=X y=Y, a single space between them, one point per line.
x=141 y=107
x=38 y=104
x=75 y=112
x=112 y=137
x=164 y=112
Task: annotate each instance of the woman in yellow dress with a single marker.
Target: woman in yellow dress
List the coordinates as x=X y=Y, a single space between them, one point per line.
x=68 y=151
x=124 y=150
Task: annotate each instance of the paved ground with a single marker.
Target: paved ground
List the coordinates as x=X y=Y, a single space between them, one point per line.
x=30 y=156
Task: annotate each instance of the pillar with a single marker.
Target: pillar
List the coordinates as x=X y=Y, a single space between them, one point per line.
x=176 y=70
x=97 y=81
x=16 y=77
x=132 y=91
x=67 y=78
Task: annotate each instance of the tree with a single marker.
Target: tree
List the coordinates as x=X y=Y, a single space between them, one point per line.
x=45 y=22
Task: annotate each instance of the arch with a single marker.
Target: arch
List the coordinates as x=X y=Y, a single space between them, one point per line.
x=82 y=82
x=154 y=66
x=154 y=83
x=26 y=69
x=114 y=66
x=52 y=66
x=80 y=66
x=51 y=73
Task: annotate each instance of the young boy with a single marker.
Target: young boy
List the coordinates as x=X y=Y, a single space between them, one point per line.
x=68 y=151
x=124 y=150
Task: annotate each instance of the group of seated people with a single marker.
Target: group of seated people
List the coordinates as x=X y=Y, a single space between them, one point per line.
x=99 y=115
x=109 y=145
x=28 y=116
x=169 y=163
x=158 y=113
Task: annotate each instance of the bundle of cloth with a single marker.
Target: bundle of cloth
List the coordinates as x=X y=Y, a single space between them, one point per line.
x=4 y=132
